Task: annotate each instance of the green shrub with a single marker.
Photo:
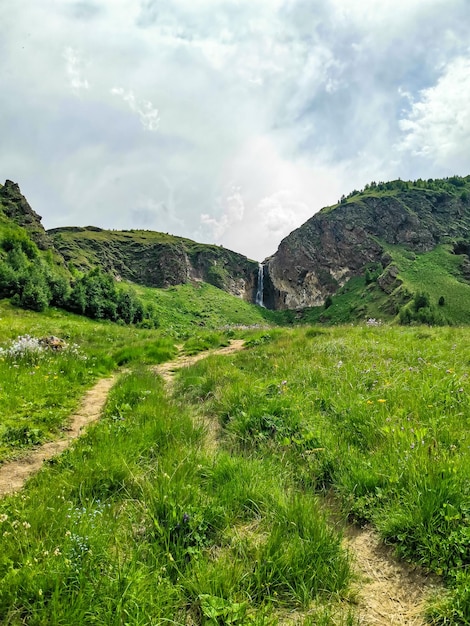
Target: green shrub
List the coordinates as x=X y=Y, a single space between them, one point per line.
x=18 y=240
x=421 y=300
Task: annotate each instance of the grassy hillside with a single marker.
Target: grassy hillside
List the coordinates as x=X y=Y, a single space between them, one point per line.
x=204 y=504
x=155 y=259
x=205 y=509
x=454 y=185
x=198 y=306
x=440 y=275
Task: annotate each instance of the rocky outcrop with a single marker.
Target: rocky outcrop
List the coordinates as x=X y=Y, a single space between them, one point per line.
x=388 y=281
x=16 y=207
x=339 y=242
x=156 y=260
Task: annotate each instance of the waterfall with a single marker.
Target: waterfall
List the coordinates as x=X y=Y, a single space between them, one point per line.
x=260 y=287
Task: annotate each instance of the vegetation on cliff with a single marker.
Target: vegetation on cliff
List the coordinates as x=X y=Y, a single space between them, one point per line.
x=156 y=259
x=87 y=271
x=34 y=281
x=372 y=253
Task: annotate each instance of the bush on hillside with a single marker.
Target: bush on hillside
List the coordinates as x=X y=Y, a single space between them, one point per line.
x=421 y=311
x=34 y=283
x=421 y=301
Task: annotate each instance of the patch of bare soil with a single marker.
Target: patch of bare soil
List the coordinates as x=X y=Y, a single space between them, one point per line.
x=14 y=474
x=390 y=592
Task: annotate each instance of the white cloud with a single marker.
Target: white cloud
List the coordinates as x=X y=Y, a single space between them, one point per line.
x=311 y=97
x=148 y=114
x=233 y=211
x=438 y=125
x=280 y=211
x=373 y=13
x=74 y=70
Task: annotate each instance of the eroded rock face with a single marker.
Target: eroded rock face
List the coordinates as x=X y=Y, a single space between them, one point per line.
x=17 y=208
x=389 y=281
x=314 y=261
x=338 y=243
x=157 y=260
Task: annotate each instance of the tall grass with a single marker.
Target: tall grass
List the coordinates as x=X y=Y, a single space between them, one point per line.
x=141 y=522
x=40 y=386
x=138 y=523
x=378 y=415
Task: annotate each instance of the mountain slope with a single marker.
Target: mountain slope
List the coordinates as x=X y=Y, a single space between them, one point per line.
x=371 y=255
x=144 y=257
x=366 y=235
x=34 y=273
x=156 y=259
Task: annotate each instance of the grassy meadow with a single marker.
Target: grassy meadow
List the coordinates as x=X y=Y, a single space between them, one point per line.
x=157 y=529
x=39 y=388
x=378 y=416
x=205 y=506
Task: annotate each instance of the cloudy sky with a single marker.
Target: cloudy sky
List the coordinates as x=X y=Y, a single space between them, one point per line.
x=227 y=121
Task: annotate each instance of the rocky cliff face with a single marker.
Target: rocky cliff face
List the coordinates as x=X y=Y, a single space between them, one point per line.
x=339 y=242
x=16 y=207
x=157 y=260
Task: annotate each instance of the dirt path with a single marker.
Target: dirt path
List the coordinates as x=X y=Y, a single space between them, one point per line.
x=14 y=474
x=390 y=592
x=166 y=370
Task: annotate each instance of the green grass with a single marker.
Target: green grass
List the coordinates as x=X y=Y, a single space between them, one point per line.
x=378 y=415
x=185 y=309
x=157 y=526
x=153 y=529
x=354 y=302
x=52 y=383
x=438 y=274
x=205 y=341
x=38 y=391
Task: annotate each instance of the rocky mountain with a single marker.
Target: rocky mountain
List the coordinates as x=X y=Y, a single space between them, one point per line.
x=360 y=233
x=371 y=253
x=16 y=208
x=143 y=257
x=156 y=259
